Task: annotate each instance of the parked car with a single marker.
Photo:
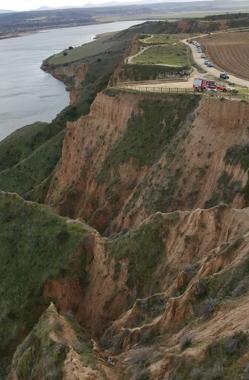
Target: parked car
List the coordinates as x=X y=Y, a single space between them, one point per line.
x=224 y=75
x=210 y=64
x=222 y=88
x=206 y=62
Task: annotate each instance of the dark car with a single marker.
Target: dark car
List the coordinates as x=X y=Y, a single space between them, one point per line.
x=224 y=76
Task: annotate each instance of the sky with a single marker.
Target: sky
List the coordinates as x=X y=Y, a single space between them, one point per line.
x=22 y=5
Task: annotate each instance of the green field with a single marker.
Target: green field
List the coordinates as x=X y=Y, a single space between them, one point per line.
x=169 y=55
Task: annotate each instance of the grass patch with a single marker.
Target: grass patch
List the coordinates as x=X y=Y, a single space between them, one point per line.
x=144 y=248
x=162 y=39
x=222 y=360
x=101 y=45
x=139 y=72
x=36 y=245
x=170 y=55
x=150 y=131
x=225 y=191
x=238 y=155
x=39 y=356
x=22 y=142
x=32 y=171
x=30 y=154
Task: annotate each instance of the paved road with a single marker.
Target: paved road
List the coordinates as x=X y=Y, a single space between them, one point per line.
x=212 y=70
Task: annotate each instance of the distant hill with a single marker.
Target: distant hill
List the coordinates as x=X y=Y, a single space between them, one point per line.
x=44 y=8
x=6 y=11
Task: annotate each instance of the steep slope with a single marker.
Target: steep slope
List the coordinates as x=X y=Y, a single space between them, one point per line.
x=36 y=246
x=134 y=154
x=55 y=349
x=175 y=287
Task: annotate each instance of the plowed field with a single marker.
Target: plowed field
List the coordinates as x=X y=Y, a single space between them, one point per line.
x=229 y=51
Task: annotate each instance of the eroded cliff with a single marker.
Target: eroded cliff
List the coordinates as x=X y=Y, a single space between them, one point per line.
x=145 y=302
x=134 y=155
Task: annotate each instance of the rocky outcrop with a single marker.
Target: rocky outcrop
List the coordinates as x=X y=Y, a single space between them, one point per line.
x=55 y=349
x=72 y=75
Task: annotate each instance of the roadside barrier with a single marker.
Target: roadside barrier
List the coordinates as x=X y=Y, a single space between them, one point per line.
x=176 y=90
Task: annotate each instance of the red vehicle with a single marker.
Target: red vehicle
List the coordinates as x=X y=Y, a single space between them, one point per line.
x=203 y=84
x=208 y=85
x=222 y=88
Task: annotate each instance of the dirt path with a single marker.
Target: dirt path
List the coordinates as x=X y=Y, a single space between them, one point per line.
x=157 y=85
x=130 y=59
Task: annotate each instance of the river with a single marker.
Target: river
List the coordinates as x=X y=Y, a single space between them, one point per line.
x=27 y=94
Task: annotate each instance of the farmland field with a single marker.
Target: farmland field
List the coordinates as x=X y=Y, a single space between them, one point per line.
x=229 y=51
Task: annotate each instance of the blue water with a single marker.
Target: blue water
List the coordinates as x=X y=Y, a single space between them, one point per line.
x=27 y=94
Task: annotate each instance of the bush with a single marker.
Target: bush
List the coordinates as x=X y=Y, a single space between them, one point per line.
x=186 y=341
x=143 y=374
x=208 y=307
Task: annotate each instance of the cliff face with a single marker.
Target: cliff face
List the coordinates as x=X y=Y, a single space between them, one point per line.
x=116 y=170
x=72 y=75
x=87 y=144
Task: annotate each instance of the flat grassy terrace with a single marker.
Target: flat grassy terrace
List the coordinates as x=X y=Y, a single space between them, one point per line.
x=103 y=45
x=175 y=55
x=163 y=39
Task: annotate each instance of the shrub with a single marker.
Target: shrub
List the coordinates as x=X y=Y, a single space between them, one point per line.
x=208 y=307
x=142 y=374
x=186 y=341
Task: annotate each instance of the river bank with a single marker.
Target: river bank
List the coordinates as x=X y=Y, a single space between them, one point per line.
x=28 y=94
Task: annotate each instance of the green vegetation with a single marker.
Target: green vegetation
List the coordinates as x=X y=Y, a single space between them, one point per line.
x=136 y=72
x=222 y=360
x=229 y=283
x=39 y=356
x=101 y=45
x=22 y=142
x=29 y=155
x=238 y=155
x=163 y=54
x=169 y=55
x=225 y=191
x=36 y=246
x=144 y=248
x=42 y=354
x=162 y=39
x=33 y=170
x=150 y=131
